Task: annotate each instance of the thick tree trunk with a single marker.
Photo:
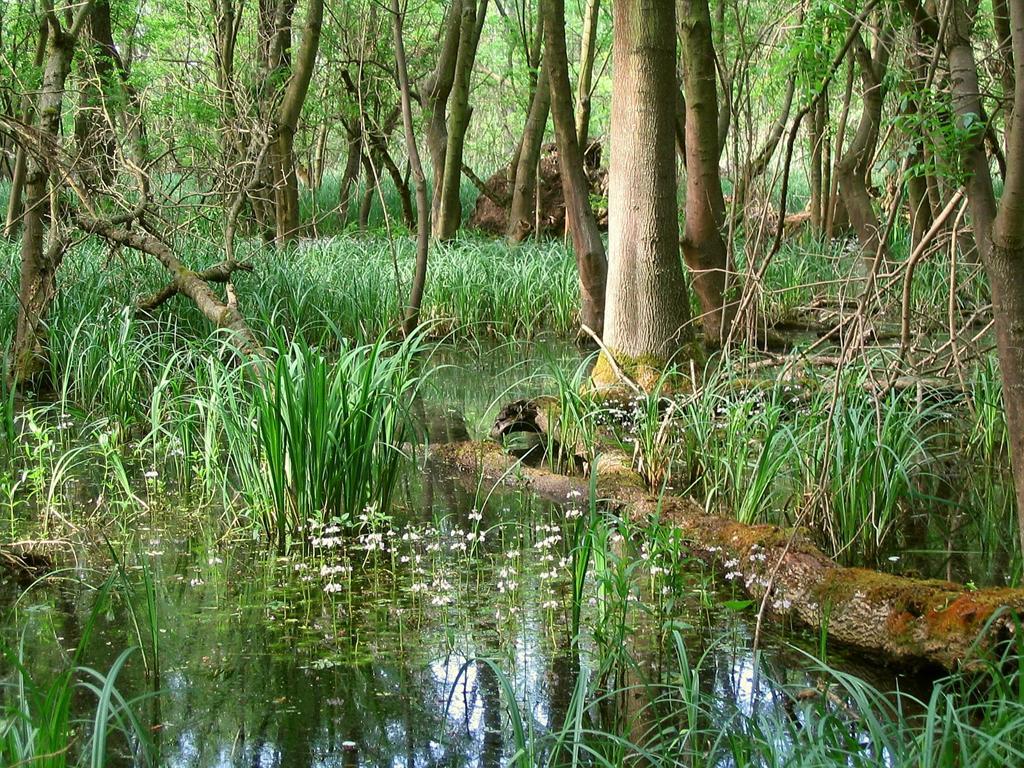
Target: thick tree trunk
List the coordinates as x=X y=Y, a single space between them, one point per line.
x=591 y=261
x=524 y=192
x=704 y=247
x=39 y=262
x=585 y=81
x=648 y=314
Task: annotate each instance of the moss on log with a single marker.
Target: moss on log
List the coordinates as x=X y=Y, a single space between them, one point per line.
x=911 y=621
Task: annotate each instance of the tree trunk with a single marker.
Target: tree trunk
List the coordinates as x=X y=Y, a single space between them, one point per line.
x=835 y=215
x=449 y=208
x=419 y=281
x=435 y=91
x=39 y=264
x=585 y=82
x=21 y=156
x=999 y=232
x=704 y=248
x=902 y=619
x=94 y=133
x=591 y=261
x=1005 y=267
x=350 y=175
x=286 y=189
x=818 y=137
x=522 y=209
x=1004 y=41
x=648 y=314
x=855 y=166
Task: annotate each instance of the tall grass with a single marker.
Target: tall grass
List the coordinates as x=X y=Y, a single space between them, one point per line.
x=322 y=440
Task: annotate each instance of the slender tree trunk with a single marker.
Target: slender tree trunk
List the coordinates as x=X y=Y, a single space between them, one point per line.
x=855 y=167
x=835 y=214
x=286 y=183
x=435 y=91
x=93 y=122
x=585 y=81
x=999 y=232
x=522 y=209
x=917 y=184
x=419 y=280
x=704 y=248
x=20 y=171
x=1005 y=267
x=591 y=261
x=39 y=262
x=648 y=321
x=818 y=139
x=449 y=208
x=369 y=191
x=1004 y=42
x=350 y=175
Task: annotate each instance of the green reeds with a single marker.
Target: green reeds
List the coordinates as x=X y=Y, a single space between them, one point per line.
x=322 y=440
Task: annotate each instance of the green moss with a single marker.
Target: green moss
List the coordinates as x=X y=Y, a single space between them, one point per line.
x=649 y=372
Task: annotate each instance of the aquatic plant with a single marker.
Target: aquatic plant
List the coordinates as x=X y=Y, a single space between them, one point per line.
x=37 y=724
x=321 y=440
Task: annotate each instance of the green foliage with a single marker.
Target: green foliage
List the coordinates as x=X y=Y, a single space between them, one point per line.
x=37 y=727
x=322 y=440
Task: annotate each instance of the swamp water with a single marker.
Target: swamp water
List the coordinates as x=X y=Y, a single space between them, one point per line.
x=370 y=650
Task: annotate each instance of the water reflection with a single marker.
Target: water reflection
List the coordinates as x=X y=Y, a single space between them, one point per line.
x=369 y=652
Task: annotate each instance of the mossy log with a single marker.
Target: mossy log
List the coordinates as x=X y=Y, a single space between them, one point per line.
x=910 y=621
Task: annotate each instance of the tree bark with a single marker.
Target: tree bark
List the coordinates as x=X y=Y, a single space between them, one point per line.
x=704 y=248
x=855 y=166
x=14 y=200
x=419 y=280
x=585 y=81
x=1005 y=267
x=449 y=207
x=591 y=261
x=350 y=175
x=435 y=91
x=905 y=620
x=39 y=263
x=286 y=187
x=648 y=314
x=93 y=130
x=522 y=209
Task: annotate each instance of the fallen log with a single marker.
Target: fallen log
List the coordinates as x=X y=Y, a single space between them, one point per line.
x=183 y=280
x=910 y=621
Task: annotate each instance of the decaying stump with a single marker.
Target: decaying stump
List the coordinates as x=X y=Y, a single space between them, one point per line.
x=907 y=620
x=491 y=211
